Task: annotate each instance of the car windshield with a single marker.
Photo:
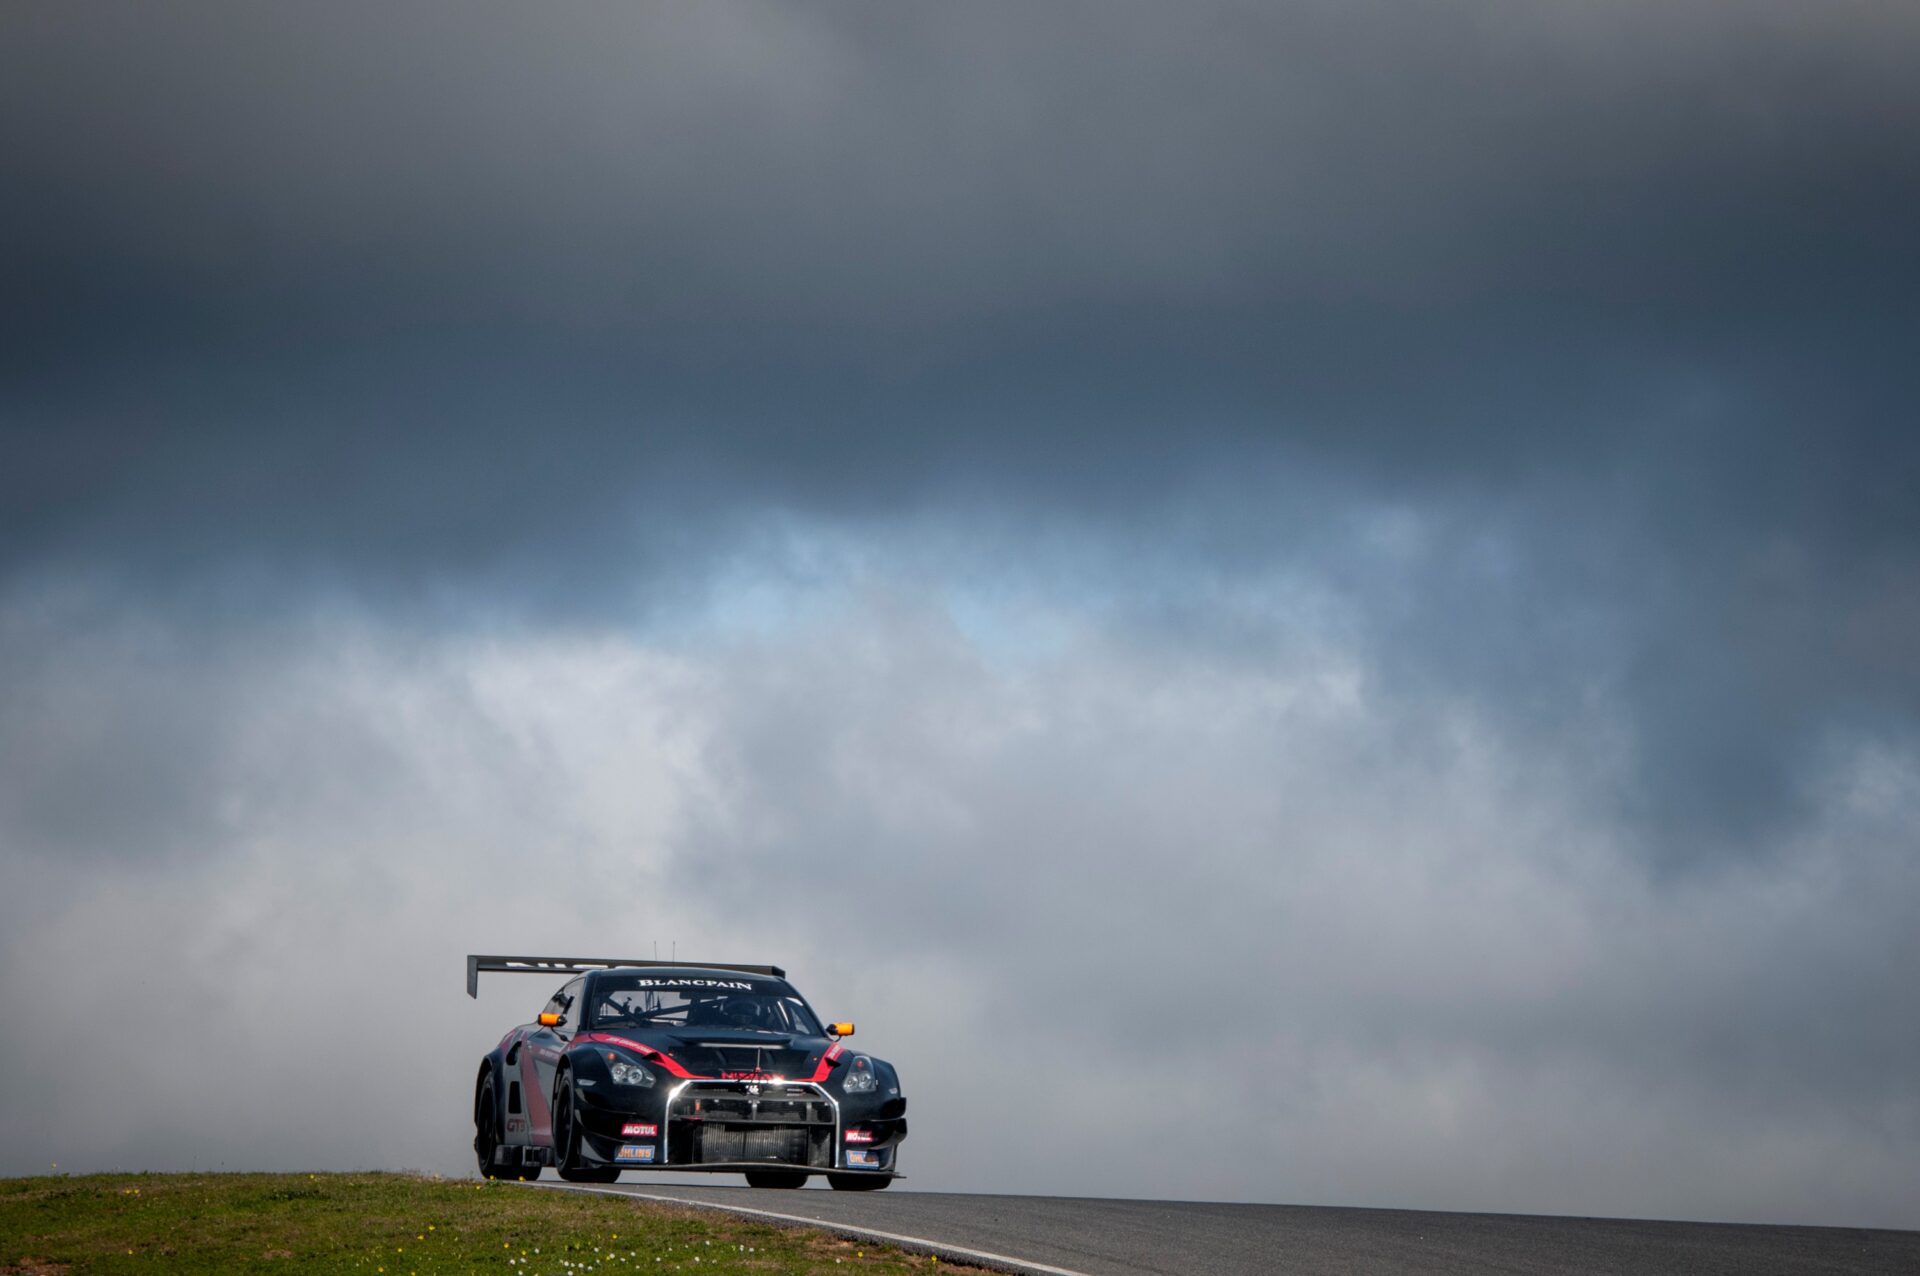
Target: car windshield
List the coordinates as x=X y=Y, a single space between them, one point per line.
x=641 y=1001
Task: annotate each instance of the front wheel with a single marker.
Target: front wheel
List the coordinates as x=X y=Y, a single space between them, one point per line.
x=857 y=1182
x=775 y=1178
x=566 y=1139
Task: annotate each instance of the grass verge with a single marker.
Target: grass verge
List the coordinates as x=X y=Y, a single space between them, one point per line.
x=392 y=1225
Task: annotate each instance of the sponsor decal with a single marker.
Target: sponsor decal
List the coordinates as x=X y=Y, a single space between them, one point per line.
x=748 y=1076
x=859 y=1136
x=516 y=1125
x=740 y=984
x=634 y=1152
x=858 y=1160
x=638 y=1130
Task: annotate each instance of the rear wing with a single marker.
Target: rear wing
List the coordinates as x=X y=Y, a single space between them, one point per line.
x=574 y=965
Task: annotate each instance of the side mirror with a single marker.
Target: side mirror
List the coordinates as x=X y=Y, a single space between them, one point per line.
x=840 y=1029
x=550 y=1020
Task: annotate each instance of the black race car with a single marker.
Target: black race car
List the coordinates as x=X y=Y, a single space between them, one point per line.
x=651 y=1065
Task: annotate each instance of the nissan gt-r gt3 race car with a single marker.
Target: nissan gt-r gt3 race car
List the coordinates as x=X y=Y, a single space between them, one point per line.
x=651 y=1065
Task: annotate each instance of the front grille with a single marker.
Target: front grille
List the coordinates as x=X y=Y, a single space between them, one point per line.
x=710 y=1122
x=746 y=1110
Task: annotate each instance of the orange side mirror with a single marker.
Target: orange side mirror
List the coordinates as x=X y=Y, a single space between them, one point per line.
x=840 y=1029
x=549 y=1020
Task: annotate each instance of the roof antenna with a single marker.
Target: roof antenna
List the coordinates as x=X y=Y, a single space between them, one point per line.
x=676 y=951
x=656 y=950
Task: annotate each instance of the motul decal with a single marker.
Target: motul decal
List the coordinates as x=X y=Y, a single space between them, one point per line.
x=749 y=1076
x=859 y=1136
x=638 y=1130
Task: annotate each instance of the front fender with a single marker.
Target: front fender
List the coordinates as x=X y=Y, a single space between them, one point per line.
x=882 y=1110
x=593 y=1083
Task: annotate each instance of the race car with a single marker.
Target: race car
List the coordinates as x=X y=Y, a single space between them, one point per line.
x=652 y=1065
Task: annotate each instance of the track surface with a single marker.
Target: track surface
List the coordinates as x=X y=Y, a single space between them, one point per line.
x=1127 y=1238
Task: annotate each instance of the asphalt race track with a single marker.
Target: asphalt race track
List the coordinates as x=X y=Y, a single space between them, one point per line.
x=1084 y=1237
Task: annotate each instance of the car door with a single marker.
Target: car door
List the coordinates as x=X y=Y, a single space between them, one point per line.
x=546 y=1042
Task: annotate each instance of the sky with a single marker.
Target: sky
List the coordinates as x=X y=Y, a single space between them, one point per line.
x=1297 y=602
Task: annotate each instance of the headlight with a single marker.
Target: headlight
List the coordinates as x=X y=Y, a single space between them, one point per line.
x=859 y=1078
x=625 y=1073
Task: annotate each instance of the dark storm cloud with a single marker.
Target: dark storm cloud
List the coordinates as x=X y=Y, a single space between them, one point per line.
x=855 y=251
x=534 y=298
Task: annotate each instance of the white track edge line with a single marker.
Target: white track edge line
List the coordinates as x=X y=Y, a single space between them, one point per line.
x=821 y=1224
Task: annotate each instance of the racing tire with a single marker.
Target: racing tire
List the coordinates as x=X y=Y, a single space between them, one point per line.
x=776 y=1178
x=566 y=1139
x=486 y=1133
x=858 y=1182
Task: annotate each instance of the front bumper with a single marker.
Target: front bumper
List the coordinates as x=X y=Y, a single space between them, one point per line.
x=731 y=1126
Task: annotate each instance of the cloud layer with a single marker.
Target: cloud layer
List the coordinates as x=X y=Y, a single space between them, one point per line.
x=1379 y=939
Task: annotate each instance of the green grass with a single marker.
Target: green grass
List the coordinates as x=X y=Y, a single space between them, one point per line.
x=391 y=1225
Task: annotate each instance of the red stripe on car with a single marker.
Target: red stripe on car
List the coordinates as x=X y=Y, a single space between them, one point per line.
x=644 y=1051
